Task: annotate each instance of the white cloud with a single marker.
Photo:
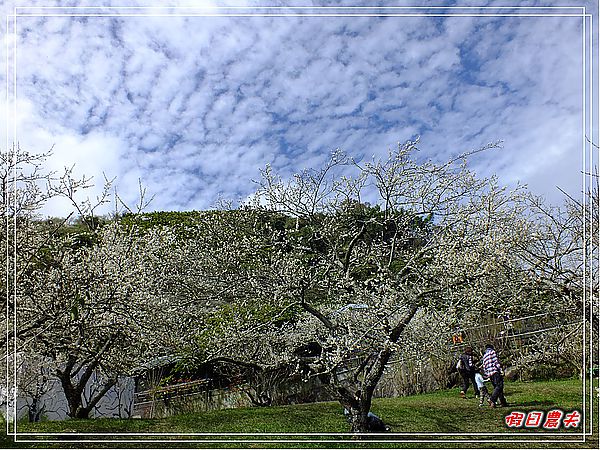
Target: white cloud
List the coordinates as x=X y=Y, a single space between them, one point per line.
x=195 y=105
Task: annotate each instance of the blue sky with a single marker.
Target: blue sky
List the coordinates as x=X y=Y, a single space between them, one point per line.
x=195 y=106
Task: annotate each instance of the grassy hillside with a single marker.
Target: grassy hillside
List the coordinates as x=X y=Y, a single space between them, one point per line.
x=439 y=412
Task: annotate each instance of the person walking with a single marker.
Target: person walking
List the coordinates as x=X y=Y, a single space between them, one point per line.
x=483 y=391
x=493 y=370
x=466 y=369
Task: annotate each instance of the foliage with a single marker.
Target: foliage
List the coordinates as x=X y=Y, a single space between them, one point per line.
x=330 y=274
x=80 y=286
x=353 y=275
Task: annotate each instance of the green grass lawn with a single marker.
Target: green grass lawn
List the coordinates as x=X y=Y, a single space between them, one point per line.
x=439 y=412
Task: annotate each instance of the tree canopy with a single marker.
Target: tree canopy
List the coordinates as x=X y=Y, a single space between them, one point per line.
x=324 y=275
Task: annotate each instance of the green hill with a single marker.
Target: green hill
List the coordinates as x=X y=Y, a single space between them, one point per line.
x=440 y=412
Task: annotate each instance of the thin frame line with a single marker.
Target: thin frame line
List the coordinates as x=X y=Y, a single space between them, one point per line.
x=299 y=15
x=584 y=142
x=345 y=433
x=15 y=146
x=6 y=220
x=303 y=7
x=228 y=15
x=591 y=125
x=308 y=441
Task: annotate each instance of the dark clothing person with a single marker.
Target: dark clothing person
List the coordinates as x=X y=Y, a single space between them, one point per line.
x=493 y=370
x=466 y=369
x=468 y=378
x=498 y=393
x=374 y=423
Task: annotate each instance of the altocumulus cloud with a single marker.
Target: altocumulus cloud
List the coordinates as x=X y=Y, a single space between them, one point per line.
x=194 y=106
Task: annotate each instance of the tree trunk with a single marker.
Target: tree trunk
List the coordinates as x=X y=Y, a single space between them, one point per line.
x=74 y=399
x=359 y=420
x=74 y=378
x=73 y=387
x=357 y=406
x=71 y=391
x=34 y=413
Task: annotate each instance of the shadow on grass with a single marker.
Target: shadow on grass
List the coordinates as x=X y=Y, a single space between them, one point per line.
x=512 y=391
x=533 y=403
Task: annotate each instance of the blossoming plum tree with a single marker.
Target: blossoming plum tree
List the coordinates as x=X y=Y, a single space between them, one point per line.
x=80 y=297
x=316 y=278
